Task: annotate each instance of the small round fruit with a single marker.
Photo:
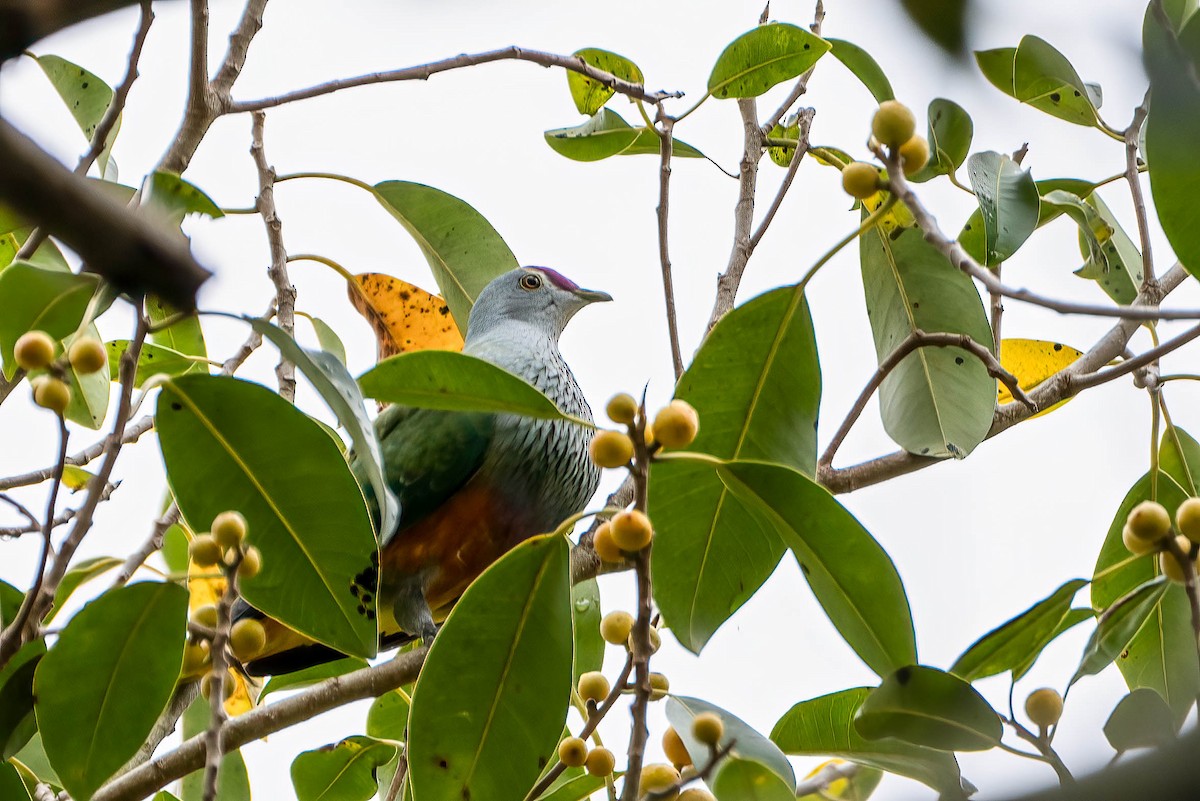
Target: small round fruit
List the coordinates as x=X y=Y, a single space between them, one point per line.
x=655 y=641
x=228 y=687
x=251 y=563
x=674 y=748
x=914 y=154
x=648 y=434
x=1044 y=707
x=688 y=772
x=1136 y=546
x=594 y=686
x=1187 y=519
x=615 y=627
x=247 y=639
x=676 y=424
x=660 y=685
x=229 y=529
x=204 y=550
x=196 y=656
x=205 y=616
x=860 y=180
x=696 y=794
x=1170 y=566
x=1149 y=521
x=622 y=408
x=87 y=356
x=894 y=123
x=53 y=394
x=600 y=762
x=572 y=752
x=34 y=350
x=631 y=530
x=708 y=728
x=657 y=777
x=611 y=449
x=603 y=545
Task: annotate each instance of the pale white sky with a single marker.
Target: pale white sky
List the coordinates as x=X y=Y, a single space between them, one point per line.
x=975 y=542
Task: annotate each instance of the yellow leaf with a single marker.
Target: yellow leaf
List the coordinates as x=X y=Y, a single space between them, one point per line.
x=406 y=318
x=1032 y=361
x=75 y=478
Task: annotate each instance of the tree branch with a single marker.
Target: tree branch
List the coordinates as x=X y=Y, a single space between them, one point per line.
x=743 y=212
x=665 y=134
x=1133 y=178
x=285 y=293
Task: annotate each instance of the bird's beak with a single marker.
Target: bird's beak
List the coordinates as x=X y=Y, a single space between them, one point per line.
x=592 y=296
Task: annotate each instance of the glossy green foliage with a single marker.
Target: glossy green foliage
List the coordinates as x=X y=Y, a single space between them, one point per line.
x=464 y=251
x=11 y=786
x=1172 y=130
x=585 y=618
x=387 y=719
x=1011 y=644
x=824 y=726
x=344 y=771
x=233 y=782
x=1118 y=624
x=590 y=95
x=949 y=134
x=90 y=392
x=92 y=721
x=17 y=721
x=783 y=155
x=172 y=198
x=82 y=572
x=1113 y=260
x=756 y=383
x=229 y=444
x=87 y=98
x=1141 y=719
x=40 y=299
x=755 y=767
x=607 y=134
x=443 y=379
x=943 y=21
x=938 y=401
x=180 y=334
x=311 y=675
x=1038 y=75
x=925 y=706
x=1008 y=200
x=152 y=360
x=492 y=697
x=759 y=59
x=864 y=66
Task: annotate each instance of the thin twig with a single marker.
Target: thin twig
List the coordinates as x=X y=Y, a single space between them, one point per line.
x=152 y=544
x=285 y=293
x=1132 y=177
x=1130 y=365
x=665 y=135
x=743 y=212
x=23 y=510
x=805 y=122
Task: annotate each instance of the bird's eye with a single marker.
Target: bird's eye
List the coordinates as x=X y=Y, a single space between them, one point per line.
x=530 y=282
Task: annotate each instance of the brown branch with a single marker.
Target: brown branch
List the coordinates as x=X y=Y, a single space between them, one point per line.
x=665 y=136
x=423 y=72
x=368 y=682
x=743 y=212
x=1133 y=178
x=805 y=121
x=132 y=433
x=128 y=249
x=1137 y=362
x=285 y=293
x=152 y=544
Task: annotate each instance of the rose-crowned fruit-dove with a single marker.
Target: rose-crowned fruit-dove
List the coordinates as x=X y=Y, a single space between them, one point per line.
x=470 y=485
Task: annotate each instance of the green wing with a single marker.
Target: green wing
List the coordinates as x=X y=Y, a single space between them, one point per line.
x=428 y=455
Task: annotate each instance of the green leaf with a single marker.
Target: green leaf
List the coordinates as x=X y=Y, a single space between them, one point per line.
x=1172 y=129
x=328 y=339
x=17 y=722
x=171 y=197
x=1038 y=75
x=11 y=786
x=756 y=383
x=152 y=360
x=1074 y=186
x=759 y=59
x=341 y=772
x=1008 y=646
x=182 y=336
x=341 y=394
x=950 y=133
x=1113 y=262
x=89 y=393
x=938 y=401
x=1072 y=619
x=864 y=67
x=589 y=95
x=858 y=787
x=492 y=698
x=943 y=21
x=585 y=617
x=233 y=784
x=783 y=155
x=1009 y=201
x=462 y=248
x=574 y=785
x=443 y=379
x=311 y=675
x=1161 y=655
x=387 y=718
x=35 y=298
x=93 y=720
x=825 y=727
x=607 y=134
x=230 y=444
x=82 y=572
x=1118 y=625
x=749 y=749
x=1179 y=458
x=86 y=97
x=852 y=577
x=45 y=255
x=925 y=706
x=1141 y=719
x=745 y=779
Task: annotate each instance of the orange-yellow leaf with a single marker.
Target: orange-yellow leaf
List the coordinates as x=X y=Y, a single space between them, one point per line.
x=405 y=317
x=1032 y=361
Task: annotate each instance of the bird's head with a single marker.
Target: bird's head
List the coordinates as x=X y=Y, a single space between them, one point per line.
x=535 y=296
